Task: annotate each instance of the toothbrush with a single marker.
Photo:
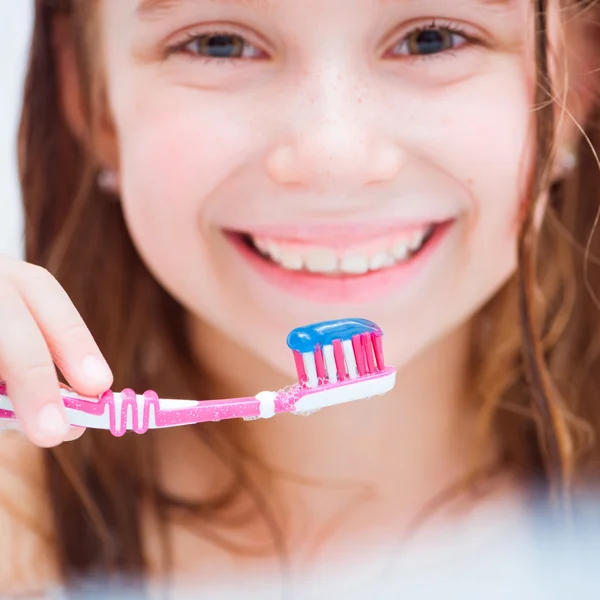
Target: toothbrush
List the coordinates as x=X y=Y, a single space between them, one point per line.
x=336 y=361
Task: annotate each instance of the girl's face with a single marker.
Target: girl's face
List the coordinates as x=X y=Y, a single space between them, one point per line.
x=290 y=161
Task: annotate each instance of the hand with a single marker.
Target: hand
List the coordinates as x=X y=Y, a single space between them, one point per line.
x=40 y=328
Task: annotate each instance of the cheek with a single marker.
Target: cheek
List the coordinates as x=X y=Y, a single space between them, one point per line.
x=160 y=190
x=489 y=147
x=174 y=157
x=481 y=135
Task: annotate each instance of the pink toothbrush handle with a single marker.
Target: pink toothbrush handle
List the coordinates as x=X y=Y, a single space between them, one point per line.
x=129 y=411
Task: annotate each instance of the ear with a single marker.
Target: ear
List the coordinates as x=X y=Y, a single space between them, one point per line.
x=100 y=140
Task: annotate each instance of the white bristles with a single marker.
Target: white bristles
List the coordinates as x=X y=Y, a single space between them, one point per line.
x=311 y=369
x=329 y=360
x=350 y=359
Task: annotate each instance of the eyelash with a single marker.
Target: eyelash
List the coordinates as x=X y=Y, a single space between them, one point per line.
x=181 y=48
x=453 y=28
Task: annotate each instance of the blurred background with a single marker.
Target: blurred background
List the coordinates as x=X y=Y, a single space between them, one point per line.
x=15 y=27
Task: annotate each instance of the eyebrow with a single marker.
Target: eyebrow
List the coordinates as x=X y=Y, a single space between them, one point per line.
x=151 y=8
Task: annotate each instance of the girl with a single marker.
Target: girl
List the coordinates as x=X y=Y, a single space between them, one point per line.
x=201 y=176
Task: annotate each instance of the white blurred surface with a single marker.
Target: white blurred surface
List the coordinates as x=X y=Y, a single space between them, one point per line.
x=15 y=27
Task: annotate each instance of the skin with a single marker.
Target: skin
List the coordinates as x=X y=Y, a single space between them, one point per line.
x=349 y=132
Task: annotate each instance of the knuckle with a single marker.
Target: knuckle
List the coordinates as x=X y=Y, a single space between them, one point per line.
x=17 y=270
x=42 y=370
x=34 y=273
x=76 y=332
x=34 y=281
x=28 y=277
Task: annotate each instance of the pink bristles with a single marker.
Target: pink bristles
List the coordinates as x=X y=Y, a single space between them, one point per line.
x=368 y=350
x=320 y=365
x=338 y=354
x=378 y=346
x=299 y=360
x=359 y=355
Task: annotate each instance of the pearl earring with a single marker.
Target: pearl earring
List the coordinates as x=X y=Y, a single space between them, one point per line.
x=108 y=181
x=566 y=162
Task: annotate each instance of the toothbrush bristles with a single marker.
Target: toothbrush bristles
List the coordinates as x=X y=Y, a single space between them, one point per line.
x=320 y=365
x=368 y=350
x=322 y=358
x=299 y=360
x=378 y=347
x=359 y=355
x=351 y=368
x=340 y=363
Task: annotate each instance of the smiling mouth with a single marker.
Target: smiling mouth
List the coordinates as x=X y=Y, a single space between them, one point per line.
x=336 y=259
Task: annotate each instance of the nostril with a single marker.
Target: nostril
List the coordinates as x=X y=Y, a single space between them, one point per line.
x=342 y=166
x=386 y=164
x=280 y=167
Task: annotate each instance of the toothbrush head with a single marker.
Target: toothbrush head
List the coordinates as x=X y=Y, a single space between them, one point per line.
x=336 y=351
x=338 y=362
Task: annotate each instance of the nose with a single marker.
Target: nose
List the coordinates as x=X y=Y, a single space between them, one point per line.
x=334 y=143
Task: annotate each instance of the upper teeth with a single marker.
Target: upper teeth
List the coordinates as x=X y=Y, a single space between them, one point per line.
x=323 y=260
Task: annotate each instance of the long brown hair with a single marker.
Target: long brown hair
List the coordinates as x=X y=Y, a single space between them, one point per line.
x=535 y=357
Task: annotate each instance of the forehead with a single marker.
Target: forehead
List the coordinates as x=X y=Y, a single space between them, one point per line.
x=149 y=7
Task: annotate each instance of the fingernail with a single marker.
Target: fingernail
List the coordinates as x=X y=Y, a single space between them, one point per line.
x=95 y=368
x=51 y=421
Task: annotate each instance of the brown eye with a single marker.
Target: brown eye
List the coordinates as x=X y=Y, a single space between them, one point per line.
x=429 y=41
x=221 y=45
